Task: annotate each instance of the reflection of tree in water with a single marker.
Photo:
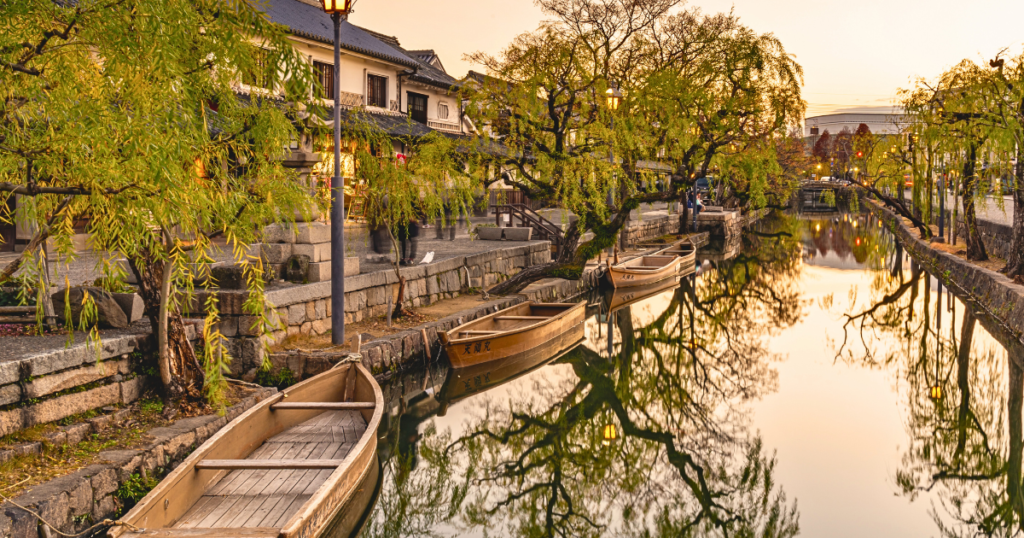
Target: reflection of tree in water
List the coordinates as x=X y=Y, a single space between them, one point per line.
x=964 y=427
x=683 y=462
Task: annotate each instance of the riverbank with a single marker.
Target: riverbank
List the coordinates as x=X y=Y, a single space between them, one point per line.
x=992 y=293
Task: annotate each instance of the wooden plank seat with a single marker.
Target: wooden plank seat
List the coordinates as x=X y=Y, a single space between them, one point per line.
x=268 y=464
x=275 y=480
x=323 y=405
x=520 y=318
x=480 y=332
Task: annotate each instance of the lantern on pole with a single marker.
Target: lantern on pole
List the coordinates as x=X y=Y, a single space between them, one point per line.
x=609 y=434
x=342 y=7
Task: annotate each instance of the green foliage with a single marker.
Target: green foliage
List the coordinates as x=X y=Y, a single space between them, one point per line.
x=130 y=114
x=282 y=379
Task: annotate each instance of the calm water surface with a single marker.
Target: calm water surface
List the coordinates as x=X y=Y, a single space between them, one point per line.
x=817 y=383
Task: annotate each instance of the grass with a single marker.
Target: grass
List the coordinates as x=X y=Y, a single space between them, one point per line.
x=22 y=472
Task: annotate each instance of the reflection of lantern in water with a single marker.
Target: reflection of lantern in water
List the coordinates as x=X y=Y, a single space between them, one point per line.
x=858 y=241
x=609 y=434
x=935 y=392
x=817 y=227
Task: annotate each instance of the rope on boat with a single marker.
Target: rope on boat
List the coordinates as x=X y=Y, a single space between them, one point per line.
x=106 y=523
x=351 y=357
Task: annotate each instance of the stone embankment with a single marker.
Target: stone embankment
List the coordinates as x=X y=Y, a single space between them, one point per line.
x=71 y=502
x=306 y=308
x=74 y=502
x=994 y=295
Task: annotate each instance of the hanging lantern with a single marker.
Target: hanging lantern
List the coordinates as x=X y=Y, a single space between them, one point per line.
x=609 y=434
x=935 y=392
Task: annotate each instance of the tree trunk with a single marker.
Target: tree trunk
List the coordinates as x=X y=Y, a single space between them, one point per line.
x=975 y=247
x=1014 y=406
x=963 y=370
x=1015 y=260
x=180 y=370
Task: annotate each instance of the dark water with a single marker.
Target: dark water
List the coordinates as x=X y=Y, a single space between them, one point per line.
x=810 y=380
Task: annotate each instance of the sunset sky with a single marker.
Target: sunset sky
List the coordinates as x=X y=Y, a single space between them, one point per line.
x=855 y=54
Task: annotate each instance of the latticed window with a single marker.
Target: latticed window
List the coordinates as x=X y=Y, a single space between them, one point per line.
x=258 y=74
x=377 y=91
x=325 y=80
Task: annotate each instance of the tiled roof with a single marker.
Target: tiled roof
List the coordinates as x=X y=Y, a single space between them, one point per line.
x=428 y=74
x=311 y=22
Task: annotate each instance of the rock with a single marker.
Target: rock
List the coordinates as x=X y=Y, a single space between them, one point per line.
x=296 y=269
x=109 y=311
x=131 y=304
x=229 y=277
x=250 y=376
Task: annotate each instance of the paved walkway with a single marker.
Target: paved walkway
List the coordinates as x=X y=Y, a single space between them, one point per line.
x=87 y=265
x=988 y=209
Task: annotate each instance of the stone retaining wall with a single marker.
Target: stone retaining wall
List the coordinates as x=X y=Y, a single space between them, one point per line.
x=76 y=501
x=996 y=236
x=388 y=355
x=306 y=308
x=991 y=292
x=46 y=387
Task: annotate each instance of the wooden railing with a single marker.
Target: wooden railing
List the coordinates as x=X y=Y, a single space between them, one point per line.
x=543 y=229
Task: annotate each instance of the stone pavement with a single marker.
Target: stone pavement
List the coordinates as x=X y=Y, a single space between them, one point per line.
x=87 y=265
x=988 y=209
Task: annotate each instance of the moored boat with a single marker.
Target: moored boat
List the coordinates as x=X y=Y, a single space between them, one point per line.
x=285 y=468
x=463 y=382
x=510 y=332
x=643 y=270
x=624 y=297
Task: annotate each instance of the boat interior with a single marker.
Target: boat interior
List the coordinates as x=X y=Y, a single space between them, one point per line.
x=267 y=498
x=649 y=262
x=518 y=317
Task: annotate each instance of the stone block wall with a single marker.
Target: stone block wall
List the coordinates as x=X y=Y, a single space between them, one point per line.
x=996 y=236
x=391 y=354
x=306 y=308
x=76 y=501
x=48 y=386
x=997 y=299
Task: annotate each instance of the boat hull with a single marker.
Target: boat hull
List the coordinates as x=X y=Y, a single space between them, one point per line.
x=167 y=507
x=466 y=352
x=622 y=276
x=464 y=382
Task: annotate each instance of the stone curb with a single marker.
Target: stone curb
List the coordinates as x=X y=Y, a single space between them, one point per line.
x=994 y=292
x=390 y=355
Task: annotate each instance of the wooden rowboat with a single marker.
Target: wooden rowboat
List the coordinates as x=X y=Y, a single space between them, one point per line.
x=621 y=298
x=284 y=468
x=643 y=270
x=510 y=332
x=464 y=382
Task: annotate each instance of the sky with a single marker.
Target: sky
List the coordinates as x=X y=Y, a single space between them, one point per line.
x=855 y=55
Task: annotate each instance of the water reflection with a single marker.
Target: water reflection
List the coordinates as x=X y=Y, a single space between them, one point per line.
x=656 y=423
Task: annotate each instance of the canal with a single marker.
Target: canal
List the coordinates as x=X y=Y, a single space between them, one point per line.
x=811 y=381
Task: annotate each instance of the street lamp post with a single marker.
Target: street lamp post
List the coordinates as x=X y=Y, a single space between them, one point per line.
x=339 y=10
x=614 y=97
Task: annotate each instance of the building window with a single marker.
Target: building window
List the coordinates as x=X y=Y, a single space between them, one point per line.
x=377 y=91
x=325 y=80
x=418 y=107
x=257 y=75
x=442 y=111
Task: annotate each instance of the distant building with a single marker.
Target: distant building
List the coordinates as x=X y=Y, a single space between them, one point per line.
x=879 y=123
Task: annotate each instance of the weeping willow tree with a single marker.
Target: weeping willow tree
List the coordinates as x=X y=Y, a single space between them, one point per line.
x=697 y=93
x=126 y=113
x=434 y=180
